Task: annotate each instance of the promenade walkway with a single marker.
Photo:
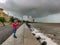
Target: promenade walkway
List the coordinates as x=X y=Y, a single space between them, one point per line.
x=24 y=37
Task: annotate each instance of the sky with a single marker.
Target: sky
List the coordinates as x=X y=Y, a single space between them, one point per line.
x=35 y=8
x=55 y=18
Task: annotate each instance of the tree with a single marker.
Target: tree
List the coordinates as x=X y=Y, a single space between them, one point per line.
x=11 y=19
x=2 y=19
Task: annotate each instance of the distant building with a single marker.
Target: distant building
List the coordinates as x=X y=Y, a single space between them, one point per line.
x=28 y=18
x=25 y=18
x=3 y=14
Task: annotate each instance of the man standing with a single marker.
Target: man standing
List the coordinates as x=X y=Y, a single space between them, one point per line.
x=14 y=25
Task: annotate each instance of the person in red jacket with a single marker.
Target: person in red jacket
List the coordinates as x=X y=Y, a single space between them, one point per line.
x=14 y=25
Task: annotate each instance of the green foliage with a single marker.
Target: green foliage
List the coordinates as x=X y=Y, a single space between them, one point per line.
x=11 y=19
x=2 y=19
x=19 y=20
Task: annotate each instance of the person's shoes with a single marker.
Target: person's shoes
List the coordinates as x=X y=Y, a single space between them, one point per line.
x=15 y=36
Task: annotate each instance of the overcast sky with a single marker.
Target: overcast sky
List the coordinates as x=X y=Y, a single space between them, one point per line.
x=36 y=8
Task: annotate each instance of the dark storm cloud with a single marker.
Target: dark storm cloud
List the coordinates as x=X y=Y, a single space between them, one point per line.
x=43 y=9
x=32 y=7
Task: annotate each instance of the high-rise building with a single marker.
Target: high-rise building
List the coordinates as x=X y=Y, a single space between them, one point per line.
x=3 y=14
x=30 y=18
x=25 y=18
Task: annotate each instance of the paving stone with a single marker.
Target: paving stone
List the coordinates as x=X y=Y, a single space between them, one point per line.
x=24 y=37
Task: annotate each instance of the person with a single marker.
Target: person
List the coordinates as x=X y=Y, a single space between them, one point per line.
x=14 y=25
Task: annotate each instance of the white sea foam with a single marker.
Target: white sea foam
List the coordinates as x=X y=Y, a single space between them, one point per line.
x=43 y=37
